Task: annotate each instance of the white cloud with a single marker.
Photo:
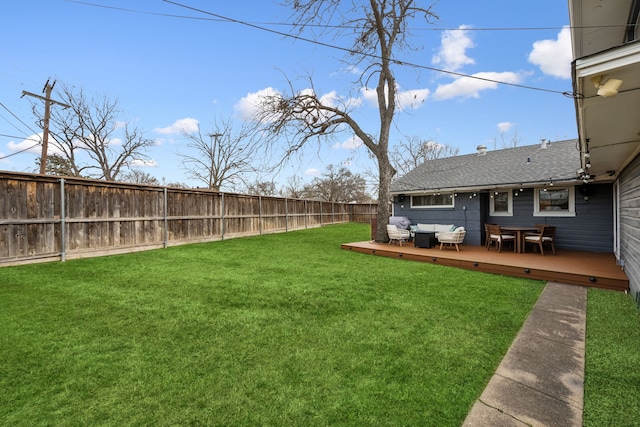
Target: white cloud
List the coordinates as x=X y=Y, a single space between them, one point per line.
x=349 y=144
x=248 y=106
x=505 y=126
x=452 y=54
x=331 y=99
x=187 y=125
x=405 y=99
x=140 y=163
x=312 y=172
x=412 y=98
x=349 y=69
x=469 y=87
x=554 y=56
x=30 y=144
x=370 y=96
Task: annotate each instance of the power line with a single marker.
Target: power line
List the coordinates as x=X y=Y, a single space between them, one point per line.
x=17 y=137
x=17 y=118
x=352 y=51
x=18 y=152
x=48 y=102
x=260 y=26
x=287 y=24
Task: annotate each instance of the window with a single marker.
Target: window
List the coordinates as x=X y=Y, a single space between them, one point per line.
x=554 y=202
x=443 y=200
x=501 y=203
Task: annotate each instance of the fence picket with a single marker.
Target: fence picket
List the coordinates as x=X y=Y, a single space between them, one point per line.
x=44 y=218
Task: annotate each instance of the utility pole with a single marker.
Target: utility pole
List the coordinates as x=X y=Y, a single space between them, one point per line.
x=47 y=113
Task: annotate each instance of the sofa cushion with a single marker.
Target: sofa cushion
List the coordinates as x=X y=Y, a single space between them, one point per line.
x=442 y=228
x=439 y=228
x=425 y=227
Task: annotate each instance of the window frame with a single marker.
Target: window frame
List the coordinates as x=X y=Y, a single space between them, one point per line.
x=451 y=194
x=492 y=207
x=571 y=211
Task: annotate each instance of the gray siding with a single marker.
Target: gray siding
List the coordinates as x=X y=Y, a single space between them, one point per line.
x=630 y=224
x=590 y=230
x=465 y=213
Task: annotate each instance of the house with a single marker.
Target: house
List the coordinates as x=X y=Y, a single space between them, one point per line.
x=606 y=84
x=589 y=187
x=520 y=186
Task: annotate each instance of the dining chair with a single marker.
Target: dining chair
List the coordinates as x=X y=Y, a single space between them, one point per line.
x=545 y=237
x=487 y=236
x=495 y=234
x=538 y=227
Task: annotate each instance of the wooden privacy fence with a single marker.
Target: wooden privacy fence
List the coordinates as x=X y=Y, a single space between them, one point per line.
x=45 y=218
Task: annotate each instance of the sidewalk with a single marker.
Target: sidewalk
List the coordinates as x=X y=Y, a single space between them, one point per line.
x=540 y=381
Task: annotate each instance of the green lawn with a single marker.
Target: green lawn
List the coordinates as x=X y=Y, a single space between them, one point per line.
x=612 y=364
x=282 y=329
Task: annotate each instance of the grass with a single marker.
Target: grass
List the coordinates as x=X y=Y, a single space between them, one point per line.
x=612 y=363
x=281 y=329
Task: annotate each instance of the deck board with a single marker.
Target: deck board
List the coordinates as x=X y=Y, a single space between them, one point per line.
x=573 y=267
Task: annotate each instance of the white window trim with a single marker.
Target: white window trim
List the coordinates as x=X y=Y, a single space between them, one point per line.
x=452 y=205
x=492 y=208
x=572 y=203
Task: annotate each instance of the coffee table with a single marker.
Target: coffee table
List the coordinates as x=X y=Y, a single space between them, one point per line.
x=425 y=239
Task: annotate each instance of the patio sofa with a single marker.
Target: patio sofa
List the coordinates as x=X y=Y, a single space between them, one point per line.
x=437 y=228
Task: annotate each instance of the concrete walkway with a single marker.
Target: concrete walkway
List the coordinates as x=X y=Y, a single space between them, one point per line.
x=540 y=381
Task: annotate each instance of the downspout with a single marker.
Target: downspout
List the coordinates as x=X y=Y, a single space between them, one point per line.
x=577 y=100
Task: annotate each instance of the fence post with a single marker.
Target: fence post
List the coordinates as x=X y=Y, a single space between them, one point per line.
x=222 y=216
x=63 y=220
x=166 y=220
x=260 y=213
x=286 y=214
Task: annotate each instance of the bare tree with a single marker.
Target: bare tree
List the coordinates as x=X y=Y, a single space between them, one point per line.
x=378 y=29
x=137 y=176
x=338 y=184
x=414 y=151
x=507 y=140
x=92 y=137
x=222 y=157
x=294 y=187
x=262 y=188
x=174 y=184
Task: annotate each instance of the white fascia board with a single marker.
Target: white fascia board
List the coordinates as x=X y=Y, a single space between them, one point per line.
x=608 y=60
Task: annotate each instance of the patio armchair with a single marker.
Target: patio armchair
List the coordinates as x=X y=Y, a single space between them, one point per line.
x=495 y=234
x=452 y=238
x=544 y=237
x=539 y=229
x=397 y=235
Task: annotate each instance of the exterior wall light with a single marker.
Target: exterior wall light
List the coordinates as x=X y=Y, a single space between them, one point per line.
x=607 y=89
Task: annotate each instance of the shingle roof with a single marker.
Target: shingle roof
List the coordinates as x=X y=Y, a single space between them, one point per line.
x=529 y=164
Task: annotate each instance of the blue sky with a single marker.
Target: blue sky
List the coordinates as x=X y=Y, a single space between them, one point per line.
x=170 y=73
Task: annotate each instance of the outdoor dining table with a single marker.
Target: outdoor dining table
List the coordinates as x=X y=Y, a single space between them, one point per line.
x=519 y=232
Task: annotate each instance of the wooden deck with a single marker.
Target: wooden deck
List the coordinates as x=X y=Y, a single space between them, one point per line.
x=572 y=267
